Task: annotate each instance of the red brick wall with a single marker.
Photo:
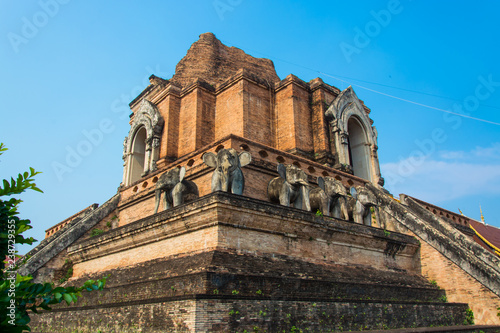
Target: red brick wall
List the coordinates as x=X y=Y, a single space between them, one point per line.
x=205 y=131
x=257 y=113
x=187 y=123
x=285 y=119
x=229 y=111
x=460 y=286
x=302 y=118
x=322 y=139
x=169 y=109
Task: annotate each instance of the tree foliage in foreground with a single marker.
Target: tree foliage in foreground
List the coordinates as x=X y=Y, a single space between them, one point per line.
x=18 y=294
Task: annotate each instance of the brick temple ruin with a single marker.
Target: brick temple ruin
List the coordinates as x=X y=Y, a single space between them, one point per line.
x=222 y=261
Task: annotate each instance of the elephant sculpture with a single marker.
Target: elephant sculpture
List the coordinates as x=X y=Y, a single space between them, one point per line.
x=176 y=188
x=360 y=205
x=330 y=197
x=228 y=176
x=291 y=187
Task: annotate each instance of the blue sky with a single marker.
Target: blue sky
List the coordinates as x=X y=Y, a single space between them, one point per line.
x=69 y=68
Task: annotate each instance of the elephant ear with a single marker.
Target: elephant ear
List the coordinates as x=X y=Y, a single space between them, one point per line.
x=182 y=173
x=210 y=159
x=245 y=158
x=354 y=193
x=282 y=170
x=303 y=176
x=321 y=183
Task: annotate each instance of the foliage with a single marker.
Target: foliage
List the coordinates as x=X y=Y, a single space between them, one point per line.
x=96 y=232
x=319 y=213
x=69 y=273
x=18 y=294
x=469 y=317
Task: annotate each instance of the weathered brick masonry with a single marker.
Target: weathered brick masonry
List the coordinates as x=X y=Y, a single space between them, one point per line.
x=279 y=268
x=228 y=263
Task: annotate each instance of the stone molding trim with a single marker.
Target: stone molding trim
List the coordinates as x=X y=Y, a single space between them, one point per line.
x=222 y=212
x=148 y=117
x=57 y=228
x=45 y=251
x=445 y=227
x=452 y=244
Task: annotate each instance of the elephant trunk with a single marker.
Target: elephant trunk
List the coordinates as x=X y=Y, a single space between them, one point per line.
x=224 y=181
x=377 y=216
x=306 y=205
x=225 y=166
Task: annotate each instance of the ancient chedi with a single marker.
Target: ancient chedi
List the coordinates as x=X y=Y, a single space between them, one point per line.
x=254 y=203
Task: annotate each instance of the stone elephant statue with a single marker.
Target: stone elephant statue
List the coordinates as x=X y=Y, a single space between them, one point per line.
x=330 y=198
x=228 y=176
x=175 y=187
x=360 y=205
x=291 y=187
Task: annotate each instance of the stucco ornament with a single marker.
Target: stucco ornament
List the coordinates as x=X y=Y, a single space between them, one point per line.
x=330 y=198
x=290 y=188
x=361 y=204
x=174 y=187
x=149 y=118
x=227 y=175
x=354 y=136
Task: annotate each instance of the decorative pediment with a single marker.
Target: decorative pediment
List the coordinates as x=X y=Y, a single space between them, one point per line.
x=347 y=102
x=345 y=106
x=145 y=150
x=148 y=116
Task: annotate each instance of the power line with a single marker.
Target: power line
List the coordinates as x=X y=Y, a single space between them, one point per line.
x=385 y=94
x=416 y=103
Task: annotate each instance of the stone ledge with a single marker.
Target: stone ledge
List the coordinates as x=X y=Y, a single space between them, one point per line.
x=230 y=214
x=44 y=252
x=232 y=315
x=449 y=229
x=277 y=277
x=195 y=297
x=443 y=237
x=445 y=329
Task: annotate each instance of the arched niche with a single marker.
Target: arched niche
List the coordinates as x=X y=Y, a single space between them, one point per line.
x=358 y=147
x=142 y=146
x=137 y=155
x=355 y=139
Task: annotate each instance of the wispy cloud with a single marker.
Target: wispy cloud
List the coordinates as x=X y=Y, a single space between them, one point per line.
x=478 y=154
x=492 y=152
x=452 y=155
x=451 y=175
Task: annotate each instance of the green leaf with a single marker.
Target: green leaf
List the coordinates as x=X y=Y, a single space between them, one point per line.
x=68 y=298
x=21 y=278
x=36 y=189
